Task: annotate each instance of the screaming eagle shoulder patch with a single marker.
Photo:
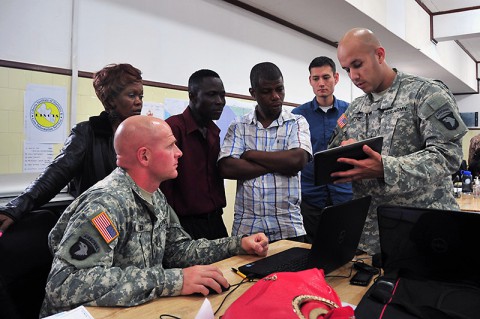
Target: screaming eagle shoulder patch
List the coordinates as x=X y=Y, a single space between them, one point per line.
x=105 y=227
x=446 y=117
x=84 y=247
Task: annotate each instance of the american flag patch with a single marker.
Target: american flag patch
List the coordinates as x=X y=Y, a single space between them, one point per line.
x=342 y=121
x=105 y=227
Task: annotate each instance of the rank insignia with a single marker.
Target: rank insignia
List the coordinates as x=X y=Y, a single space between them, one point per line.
x=105 y=227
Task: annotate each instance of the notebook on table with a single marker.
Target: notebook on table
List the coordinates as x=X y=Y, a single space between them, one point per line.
x=334 y=245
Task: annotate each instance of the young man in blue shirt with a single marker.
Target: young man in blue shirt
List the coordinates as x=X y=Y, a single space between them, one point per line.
x=322 y=114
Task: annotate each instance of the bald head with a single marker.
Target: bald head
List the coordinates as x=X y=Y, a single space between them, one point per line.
x=363 y=57
x=361 y=37
x=146 y=149
x=136 y=132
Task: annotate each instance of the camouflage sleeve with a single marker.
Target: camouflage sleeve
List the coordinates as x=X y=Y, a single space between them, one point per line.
x=441 y=129
x=84 y=269
x=182 y=252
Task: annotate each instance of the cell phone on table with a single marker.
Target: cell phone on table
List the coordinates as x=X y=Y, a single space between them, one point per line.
x=361 y=278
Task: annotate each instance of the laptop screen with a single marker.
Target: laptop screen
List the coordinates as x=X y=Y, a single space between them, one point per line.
x=335 y=242
x=430 y=243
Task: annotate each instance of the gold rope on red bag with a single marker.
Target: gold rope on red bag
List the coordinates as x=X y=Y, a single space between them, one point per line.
x=274 y=295
x=298 y=301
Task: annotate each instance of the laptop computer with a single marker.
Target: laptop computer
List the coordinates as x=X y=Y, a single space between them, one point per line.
x=429 y=243
x=334 y=245
x=325 y=162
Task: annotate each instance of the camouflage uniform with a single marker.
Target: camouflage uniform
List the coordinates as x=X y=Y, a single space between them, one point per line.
x=139 y=258
x=422 y=130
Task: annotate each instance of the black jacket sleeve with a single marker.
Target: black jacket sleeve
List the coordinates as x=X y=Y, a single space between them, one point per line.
x=55 y=177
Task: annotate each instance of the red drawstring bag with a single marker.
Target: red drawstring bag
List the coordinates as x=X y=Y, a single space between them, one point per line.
x=303 y=294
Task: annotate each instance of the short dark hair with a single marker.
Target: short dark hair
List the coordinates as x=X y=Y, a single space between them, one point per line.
x=322 y=61
x=112 y=79
x=197 y=77
x=266 y=71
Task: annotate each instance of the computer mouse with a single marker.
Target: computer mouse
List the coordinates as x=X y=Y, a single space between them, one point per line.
x=211 y=291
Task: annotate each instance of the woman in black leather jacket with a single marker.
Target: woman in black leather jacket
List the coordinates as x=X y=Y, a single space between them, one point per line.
x=86 y=157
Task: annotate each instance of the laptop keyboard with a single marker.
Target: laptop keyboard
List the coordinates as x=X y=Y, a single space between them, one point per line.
x=293 y=265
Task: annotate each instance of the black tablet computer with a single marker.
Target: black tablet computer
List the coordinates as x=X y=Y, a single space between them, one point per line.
x=325 y=162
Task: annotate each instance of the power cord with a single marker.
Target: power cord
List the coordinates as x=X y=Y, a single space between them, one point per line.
x=342 y=276
x=360 y=265
x=231 y=291
x=169 y=316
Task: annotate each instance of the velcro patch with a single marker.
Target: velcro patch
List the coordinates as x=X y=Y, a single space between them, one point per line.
x=342 y=121
x=84 y=247
x=105 y=227
x=446 y=117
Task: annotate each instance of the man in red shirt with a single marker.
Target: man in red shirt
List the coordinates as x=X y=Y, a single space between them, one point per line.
x=198 y=195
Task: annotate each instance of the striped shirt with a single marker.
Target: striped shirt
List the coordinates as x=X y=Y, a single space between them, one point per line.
x=269 y=203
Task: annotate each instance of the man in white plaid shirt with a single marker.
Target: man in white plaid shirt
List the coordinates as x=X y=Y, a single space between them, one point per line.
x=265 y=151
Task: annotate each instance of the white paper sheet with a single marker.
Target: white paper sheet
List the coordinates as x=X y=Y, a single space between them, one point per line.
x=77 y=313
x=206 y=311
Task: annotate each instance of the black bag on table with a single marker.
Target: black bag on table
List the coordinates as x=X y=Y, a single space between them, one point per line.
x=431 y=266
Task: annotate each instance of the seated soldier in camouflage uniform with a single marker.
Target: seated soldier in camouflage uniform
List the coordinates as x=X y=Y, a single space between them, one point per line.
x=121 y=244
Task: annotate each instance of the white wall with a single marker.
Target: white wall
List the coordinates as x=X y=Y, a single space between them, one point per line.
x=468 y=103
x=36 y=31
x=410 y=22
x=167 y=40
